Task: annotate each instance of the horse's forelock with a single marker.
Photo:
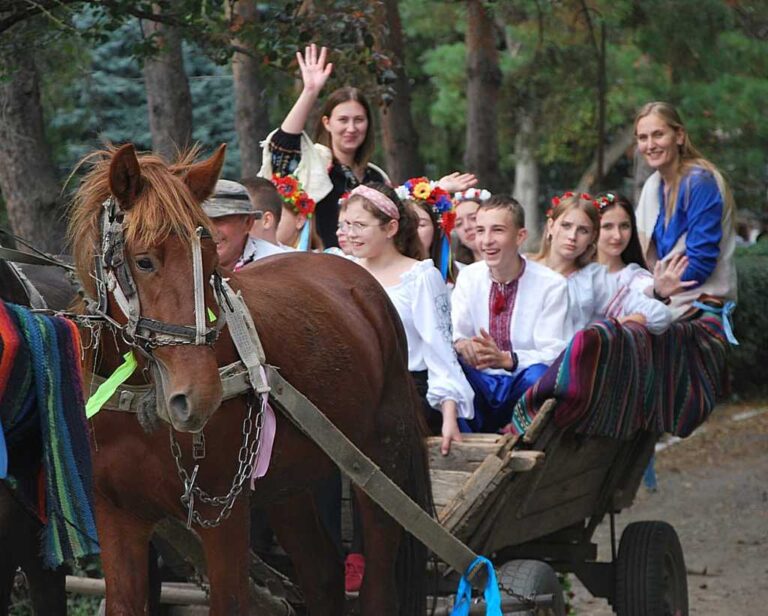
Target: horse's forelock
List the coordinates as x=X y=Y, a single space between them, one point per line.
x=164 y=207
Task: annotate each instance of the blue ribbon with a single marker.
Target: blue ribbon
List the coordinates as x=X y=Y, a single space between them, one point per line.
x=464 y=593
x=3 y=455
x=304 y=237
x=445 y=255
x=725 y=313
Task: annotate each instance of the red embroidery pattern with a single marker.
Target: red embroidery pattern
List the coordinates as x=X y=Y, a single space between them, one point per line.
x=501 y=304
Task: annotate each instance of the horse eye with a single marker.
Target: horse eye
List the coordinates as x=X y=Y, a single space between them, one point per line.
x=145 y=264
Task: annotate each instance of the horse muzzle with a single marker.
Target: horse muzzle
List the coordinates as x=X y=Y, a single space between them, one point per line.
x=187 y=406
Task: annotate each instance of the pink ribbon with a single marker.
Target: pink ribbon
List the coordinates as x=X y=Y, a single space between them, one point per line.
x=268 y=429
x=380 y=200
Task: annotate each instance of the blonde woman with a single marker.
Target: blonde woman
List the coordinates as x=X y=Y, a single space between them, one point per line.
x=685 y=208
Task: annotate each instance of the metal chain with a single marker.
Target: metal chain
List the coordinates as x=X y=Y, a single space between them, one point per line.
x=246 y=458
x=529 y=599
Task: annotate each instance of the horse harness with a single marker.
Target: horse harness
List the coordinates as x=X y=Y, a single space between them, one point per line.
x=245 y=376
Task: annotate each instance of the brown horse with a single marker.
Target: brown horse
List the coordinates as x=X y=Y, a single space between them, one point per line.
x=330 y=328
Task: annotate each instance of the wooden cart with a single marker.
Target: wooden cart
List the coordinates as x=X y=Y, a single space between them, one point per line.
x=539 y=499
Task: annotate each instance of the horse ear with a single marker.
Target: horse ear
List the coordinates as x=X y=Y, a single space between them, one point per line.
x=125 y=176
x=201 y=177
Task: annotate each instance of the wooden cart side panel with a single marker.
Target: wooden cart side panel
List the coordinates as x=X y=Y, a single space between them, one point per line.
x=564 y=491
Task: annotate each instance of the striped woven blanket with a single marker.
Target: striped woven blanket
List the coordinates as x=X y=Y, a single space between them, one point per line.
x=613 y=380
x=41 y=403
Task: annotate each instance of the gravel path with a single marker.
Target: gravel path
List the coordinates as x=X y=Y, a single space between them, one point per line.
x=713 y=488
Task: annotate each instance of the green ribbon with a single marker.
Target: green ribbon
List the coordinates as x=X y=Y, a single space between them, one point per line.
x=211 y=316
x=107 y=389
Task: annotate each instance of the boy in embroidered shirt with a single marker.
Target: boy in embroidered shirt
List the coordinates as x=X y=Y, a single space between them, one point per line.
x=509 y=316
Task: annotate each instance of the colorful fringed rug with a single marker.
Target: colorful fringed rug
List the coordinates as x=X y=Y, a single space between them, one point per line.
x=613 y=380
x=41 y=401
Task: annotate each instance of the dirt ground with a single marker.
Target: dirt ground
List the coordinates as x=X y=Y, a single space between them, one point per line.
x=713 y=488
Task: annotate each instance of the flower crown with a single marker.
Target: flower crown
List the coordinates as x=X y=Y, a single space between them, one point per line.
x=472 y=194
x=293 y=195
x=598 y=203
x=604 y=201
x=439 y=199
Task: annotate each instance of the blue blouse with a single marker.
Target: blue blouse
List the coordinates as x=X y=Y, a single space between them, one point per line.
x=699 y=213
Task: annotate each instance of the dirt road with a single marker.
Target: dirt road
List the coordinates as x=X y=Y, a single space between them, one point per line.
x=713 y=488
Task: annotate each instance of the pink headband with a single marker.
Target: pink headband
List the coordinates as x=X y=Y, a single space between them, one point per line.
x=380 y=200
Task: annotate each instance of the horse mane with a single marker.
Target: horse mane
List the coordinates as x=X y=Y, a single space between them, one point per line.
x=164 y=207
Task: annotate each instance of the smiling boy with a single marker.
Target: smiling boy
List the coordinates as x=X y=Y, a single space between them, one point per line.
x=509 y=315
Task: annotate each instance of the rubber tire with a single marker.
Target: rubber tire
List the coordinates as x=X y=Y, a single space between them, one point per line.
x=650 y=572
x=532 y=577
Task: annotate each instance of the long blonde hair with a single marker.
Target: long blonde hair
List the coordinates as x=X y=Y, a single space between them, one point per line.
x=562 y=205
x=689 y=156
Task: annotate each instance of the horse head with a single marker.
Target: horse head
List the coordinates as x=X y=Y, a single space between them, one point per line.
x=143 y=220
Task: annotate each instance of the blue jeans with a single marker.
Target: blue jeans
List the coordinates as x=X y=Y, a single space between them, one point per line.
x=496 y=396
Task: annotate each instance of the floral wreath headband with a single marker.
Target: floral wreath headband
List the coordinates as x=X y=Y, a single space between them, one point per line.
x=472 y=194
x=438 y=199
x=600 y=203
x=293 y=195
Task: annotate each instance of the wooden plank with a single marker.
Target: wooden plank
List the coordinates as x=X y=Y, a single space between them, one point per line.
x=576 y=455
x=524 y=461
x=540 y=421
x=473 y=493
x=557 y=495
x=446 y=485
x=175 y=594
x=464 y=456
x=510 y=531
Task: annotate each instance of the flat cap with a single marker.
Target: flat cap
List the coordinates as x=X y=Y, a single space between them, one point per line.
x=230 y=198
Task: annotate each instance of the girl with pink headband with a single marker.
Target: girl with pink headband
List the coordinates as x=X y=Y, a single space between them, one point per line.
x=382 y=234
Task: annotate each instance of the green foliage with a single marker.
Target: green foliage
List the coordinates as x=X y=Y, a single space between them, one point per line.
x=705 y=56
x=749 y=359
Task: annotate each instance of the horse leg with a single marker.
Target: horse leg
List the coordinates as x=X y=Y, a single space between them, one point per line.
x=47 y=587
x=381 y=541
x=9 y=519
x=227 y=558
x=313 y=553
x=124 y=540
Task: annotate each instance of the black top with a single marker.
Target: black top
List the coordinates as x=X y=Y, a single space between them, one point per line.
x=286 y=155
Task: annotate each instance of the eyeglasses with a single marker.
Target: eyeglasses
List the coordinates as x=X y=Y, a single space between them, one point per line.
x=357 y=227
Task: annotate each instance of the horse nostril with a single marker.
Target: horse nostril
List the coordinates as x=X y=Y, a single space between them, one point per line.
x=179 y=404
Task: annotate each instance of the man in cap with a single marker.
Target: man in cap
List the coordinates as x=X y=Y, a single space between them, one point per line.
x=232 y=213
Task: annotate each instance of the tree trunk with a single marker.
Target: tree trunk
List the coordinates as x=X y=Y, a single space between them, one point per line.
x=401 y=142
x=527 y=177
x=251 y=117
x=168 y=98
x=27 y=174
x=641 y=171
x=615 y=150
x=483 y=85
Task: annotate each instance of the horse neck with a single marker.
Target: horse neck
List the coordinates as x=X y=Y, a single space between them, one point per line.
x=11 y=288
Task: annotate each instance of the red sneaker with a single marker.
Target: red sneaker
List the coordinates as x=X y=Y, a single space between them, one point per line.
x=354 y=570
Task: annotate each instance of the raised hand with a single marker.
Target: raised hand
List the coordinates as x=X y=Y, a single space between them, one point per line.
x=315 y=69
x=667 y=274
x=457 y=182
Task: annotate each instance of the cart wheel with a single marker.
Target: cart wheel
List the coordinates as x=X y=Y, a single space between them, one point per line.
x=532 y=577
x=650 y=572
